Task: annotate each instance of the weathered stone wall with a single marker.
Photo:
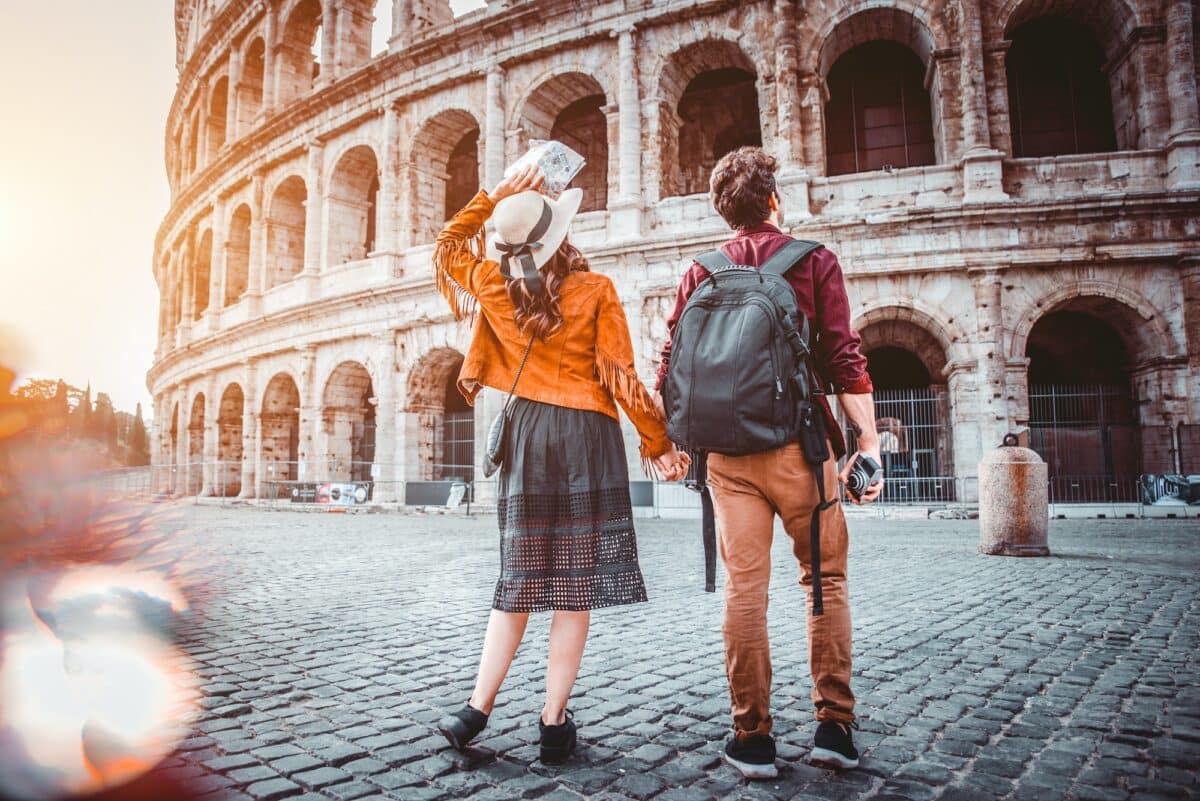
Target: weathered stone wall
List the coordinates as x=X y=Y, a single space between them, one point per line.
x=276 y=169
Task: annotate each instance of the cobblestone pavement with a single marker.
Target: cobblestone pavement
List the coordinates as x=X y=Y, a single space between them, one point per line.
x=333 y=643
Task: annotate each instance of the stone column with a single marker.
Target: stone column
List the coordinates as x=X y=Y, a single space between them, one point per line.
x=256 y=267
x=234 y=96
x=994 y=417
x=216 y=276
x=310 y=412
x=625 y=221
x=1183 y=154
x=999 y=117
x=787 y=87
x=493 y=163
x=384 y=470
x=187 y=277
x=1189 y=279
x=270 y=89
x=250 y=433
x=202 y=127
x=388 y=224
x=402 y=15
x=983 y=167
x=212 y=408
x=313 y=234
x=329 y=21
x=813 y=96
x=405 y=205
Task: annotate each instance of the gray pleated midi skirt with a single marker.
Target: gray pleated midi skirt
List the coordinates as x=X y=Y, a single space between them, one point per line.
x=566 y=522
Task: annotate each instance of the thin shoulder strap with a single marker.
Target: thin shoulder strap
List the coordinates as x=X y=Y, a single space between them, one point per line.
x=713 y=260
x=788 y=256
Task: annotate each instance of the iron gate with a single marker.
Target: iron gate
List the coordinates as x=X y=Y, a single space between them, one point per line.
x=458 y=447
x=914 y=440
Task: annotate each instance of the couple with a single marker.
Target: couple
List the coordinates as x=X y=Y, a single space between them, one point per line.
x=556 y=333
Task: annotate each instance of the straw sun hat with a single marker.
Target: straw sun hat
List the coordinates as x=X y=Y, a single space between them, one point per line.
x=529 y=228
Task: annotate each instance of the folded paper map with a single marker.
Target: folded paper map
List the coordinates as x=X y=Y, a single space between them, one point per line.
x=559 y=163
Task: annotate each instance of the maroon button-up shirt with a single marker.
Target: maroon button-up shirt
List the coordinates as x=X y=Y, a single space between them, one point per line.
x=820 y=295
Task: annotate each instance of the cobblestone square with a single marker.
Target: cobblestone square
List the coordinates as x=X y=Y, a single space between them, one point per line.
x=330 y=644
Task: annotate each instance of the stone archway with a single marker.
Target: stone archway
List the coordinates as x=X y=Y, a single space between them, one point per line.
x=195 y=447
x=1094 y=414
x=569 y=108
x=351 y=206
x=907 y=364
x=280 y=427
x=445 y=170
x=348 y=424
x=709 y=106
x=229 y=442
x=445 y=443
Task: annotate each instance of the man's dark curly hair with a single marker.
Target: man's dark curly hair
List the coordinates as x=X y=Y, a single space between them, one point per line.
x=741 y=185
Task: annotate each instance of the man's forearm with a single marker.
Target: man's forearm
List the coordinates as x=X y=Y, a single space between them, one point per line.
x=860 y=412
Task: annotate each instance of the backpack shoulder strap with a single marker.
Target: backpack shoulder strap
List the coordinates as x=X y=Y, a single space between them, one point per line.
x=713 y=260
x=789 y=255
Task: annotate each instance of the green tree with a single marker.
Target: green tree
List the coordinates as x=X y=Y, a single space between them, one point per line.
x=139 y=443
x=104 y=421
x=81 y=418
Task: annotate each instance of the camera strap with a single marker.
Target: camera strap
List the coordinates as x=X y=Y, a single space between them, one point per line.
x=816 y=453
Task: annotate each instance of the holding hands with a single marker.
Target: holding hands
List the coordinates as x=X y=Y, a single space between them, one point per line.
x=673 y=465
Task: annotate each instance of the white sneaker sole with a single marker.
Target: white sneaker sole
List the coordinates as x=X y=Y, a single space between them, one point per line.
x=751 y=770
x=825 y=758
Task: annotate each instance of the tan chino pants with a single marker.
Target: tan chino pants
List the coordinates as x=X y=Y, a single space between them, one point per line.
x=748 y=491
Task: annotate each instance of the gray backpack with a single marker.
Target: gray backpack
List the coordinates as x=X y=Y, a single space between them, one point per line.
x=740 y=379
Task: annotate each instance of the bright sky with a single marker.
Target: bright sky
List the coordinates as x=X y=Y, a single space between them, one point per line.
x=85 y=94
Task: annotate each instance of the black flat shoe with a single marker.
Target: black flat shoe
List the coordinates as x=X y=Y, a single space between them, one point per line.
x=461 y=727
x=558 y=742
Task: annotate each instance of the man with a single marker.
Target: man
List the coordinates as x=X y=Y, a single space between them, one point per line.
x=748 y=491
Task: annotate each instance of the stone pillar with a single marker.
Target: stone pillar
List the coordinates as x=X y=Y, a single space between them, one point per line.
x=313 y=234
x=988 y=285
x=999 y=117
x=212 y=408
x=493 y=163
x=787 y=88
x=964 y=391
x=256 y=266
x=250 y=434
x=813 y=96
x=329 y=23
x=625 y=210
x=388 y=222
x=405 y=205
x=202 y=127
x=1189 y=280
x=216 y=275
x=187 y=277
x=234 y=96
x=384 y=470
x=310 y=412
x=402 y=16
x=983 y=167
x=270 y=89
x=1183 y=144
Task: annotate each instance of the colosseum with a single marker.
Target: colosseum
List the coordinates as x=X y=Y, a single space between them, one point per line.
x=1012 y=186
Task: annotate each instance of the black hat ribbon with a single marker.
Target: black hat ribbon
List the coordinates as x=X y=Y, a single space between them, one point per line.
x=523 y=252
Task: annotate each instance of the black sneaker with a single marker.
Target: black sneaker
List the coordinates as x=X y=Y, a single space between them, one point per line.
x=461 y=727
x=754 y=757
x=558 y=742
x=833 y=747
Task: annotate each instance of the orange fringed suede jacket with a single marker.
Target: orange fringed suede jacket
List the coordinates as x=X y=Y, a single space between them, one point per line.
x=586 y=364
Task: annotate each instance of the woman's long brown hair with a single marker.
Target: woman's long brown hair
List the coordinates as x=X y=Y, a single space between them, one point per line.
x=541 y=315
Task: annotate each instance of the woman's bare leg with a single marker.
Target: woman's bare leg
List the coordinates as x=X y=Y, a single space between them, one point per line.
x=568 y=635
x=504 y=633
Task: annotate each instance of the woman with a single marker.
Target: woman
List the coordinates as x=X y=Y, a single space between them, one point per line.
x=567 y=542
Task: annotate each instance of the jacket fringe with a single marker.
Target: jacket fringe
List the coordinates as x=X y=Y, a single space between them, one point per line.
x=445 y=253
x=623 y=383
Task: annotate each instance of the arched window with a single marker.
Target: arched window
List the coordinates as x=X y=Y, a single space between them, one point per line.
x=1058 y=93
x=583 y=127
x=202 y=275
x=250 y=88
x=237 y=257
x=718 y=113
x=286 y=231
x=351 y=206
x=878 y=115
x=300 y=53
x=217 y=112
x=462 y=173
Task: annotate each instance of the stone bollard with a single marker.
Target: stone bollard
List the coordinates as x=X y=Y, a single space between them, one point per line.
x=1013 y=503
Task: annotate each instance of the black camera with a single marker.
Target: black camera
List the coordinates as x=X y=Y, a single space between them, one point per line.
x=864 y=471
